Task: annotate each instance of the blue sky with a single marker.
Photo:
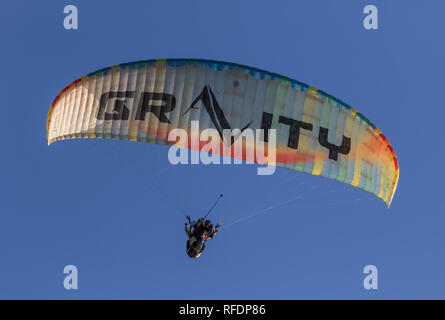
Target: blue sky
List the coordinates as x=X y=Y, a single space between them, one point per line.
x=93 y=203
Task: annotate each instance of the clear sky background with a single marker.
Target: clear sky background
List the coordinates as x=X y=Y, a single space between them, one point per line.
x=110 y=207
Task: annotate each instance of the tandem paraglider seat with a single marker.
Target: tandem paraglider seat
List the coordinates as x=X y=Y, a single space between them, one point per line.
x=199 y=232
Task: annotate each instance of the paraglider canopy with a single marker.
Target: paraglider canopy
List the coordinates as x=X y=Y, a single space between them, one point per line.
x=143 y=101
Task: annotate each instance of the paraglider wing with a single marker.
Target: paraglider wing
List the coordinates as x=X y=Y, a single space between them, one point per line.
x=142 y=101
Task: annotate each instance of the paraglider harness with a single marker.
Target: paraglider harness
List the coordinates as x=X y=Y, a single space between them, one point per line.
x=199 y=232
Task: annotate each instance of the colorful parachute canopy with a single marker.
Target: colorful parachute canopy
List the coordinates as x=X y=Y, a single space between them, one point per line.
x=142 y=101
